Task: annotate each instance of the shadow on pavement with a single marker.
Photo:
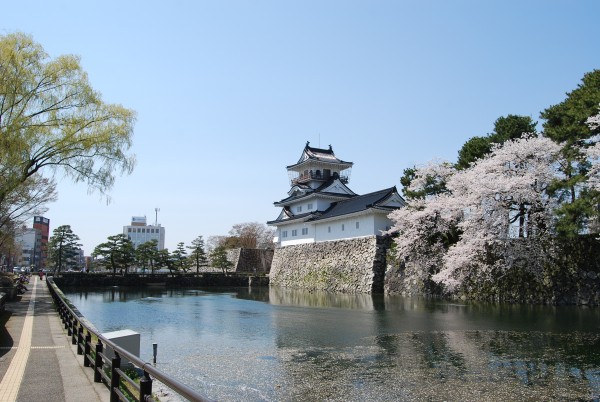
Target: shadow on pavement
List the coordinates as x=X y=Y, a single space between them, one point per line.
x=6 y=341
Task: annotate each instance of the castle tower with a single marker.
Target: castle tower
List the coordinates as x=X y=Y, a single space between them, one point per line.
x=317 y=166
x=321 y=207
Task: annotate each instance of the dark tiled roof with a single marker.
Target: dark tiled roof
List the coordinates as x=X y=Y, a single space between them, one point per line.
x=357 y=204
x=293 y=218
x=318 y=190
x=319 y=154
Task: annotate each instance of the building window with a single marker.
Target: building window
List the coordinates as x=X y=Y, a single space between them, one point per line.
x=129 y=230
x=357 y=225
x=294 y=232
x=299 y=208
x=310 y=206
x=328 y=229
x=284 y=233
x=342 y=227
x=304 y=231
x=143 y=230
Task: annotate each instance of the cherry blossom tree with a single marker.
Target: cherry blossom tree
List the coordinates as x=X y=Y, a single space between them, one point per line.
x=507 y=187
x=465 y=233
x=593 y=153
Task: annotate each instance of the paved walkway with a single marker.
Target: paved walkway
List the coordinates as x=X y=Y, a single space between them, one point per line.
x=37 y=360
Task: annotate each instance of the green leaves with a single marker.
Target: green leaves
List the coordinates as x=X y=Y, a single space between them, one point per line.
x=63 y=247
x=116 y=254
x=53 y=121
x=219 y=259
x=198 y=255
x=50 y=117
x=566 y=123
x=505 y=128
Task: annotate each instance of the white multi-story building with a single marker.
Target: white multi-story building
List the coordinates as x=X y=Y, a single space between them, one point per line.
x=29 y=240
x=321 y=207
x=139 y=232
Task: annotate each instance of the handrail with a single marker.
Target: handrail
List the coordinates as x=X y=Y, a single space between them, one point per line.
x=72 y=321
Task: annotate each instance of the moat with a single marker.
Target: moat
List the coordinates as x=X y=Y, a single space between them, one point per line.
x=271 y=344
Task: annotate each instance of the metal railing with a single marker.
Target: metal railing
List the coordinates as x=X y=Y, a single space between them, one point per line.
x=107 y=369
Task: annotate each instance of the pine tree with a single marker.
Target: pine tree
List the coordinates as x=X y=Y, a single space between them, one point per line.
x=198 y=254
x=63 y=247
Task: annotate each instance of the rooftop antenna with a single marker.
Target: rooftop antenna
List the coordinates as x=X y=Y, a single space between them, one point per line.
x=156 y=216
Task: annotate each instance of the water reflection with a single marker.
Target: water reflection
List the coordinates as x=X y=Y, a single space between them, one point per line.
x=276 y=344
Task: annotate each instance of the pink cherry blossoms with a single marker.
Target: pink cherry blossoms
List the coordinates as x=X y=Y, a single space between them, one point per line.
x=593 y=153
x=471 y=232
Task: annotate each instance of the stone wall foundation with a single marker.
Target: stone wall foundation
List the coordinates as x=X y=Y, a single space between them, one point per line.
x=351 y=265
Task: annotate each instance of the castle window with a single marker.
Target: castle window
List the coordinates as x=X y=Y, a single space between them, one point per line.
x=357 y=225
x=294 y=232
x=328 y=229
x=299 y=208
x=284 y=233
x=304 y=231
x=343 y=227
x=310 y=206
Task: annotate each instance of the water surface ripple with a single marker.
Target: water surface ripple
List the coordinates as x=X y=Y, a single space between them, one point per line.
x=288 y=345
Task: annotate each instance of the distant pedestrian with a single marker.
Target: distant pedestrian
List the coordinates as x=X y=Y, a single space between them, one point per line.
x=41 y=272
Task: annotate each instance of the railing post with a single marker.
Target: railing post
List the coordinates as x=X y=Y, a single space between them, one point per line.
x=69 y=325
x=115 y=378
x=74 y=332
x=65 y=317
x=98 y=362
x=87 y=349
x=80 y=340
x=145 y=386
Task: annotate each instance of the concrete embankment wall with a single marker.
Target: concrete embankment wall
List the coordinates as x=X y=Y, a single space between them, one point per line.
x=353 y=265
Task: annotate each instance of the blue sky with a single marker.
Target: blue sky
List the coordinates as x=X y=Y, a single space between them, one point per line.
x=228 y=92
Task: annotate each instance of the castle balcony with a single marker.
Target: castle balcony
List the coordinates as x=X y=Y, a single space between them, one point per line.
x=309 y=175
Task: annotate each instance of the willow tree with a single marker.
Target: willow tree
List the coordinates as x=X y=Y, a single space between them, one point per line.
x=23 y=202
x=52 y=120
